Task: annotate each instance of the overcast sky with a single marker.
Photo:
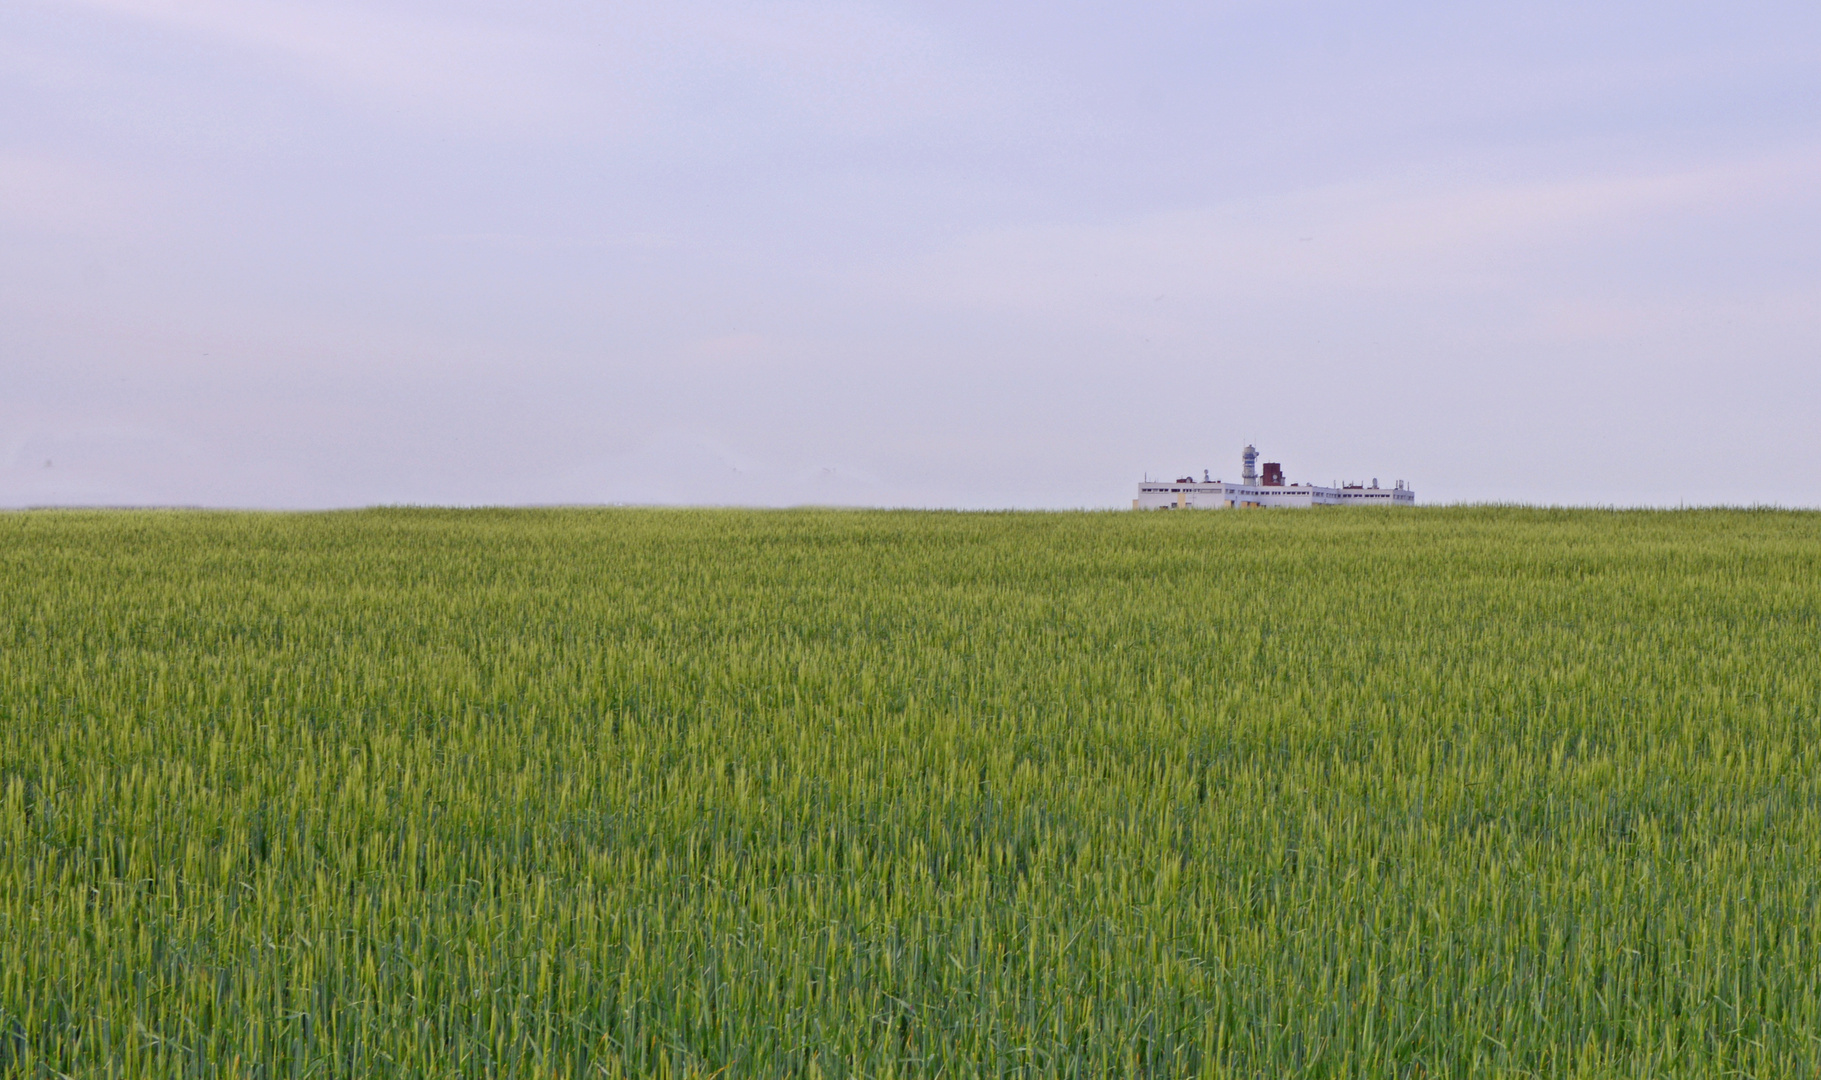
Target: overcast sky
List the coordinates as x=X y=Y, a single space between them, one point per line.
x=291 y=253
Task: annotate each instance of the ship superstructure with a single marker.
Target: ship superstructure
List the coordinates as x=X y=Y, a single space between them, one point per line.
x=1268 y=489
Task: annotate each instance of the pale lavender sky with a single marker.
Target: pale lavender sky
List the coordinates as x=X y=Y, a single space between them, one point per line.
x=303 y=254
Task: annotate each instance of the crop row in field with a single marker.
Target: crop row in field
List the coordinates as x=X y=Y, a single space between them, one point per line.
x=1445 y=792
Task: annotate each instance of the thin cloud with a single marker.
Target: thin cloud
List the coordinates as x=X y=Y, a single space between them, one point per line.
x=1369 y=238
x=382 y=60
x=846 y=69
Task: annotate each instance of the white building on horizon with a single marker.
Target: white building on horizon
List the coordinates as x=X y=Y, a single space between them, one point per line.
x=1253 y=490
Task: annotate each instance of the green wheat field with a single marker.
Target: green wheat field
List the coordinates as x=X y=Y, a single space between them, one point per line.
x=1450 y=792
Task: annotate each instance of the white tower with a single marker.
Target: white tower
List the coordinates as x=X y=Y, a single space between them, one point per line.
x=1250 y=456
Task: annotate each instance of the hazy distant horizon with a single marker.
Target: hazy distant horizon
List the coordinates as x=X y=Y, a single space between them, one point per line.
x=275 y=255
x=863 y=508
